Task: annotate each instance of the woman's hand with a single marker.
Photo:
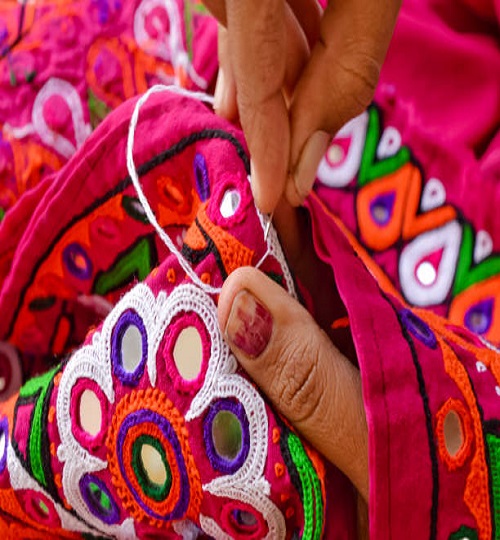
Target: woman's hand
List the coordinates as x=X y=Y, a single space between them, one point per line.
x=297 y=366
x=295 y=76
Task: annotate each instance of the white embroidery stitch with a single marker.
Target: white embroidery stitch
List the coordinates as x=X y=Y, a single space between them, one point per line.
x=390 y=143
x=338 y=173
x=21 y=480
x=433 y=195
x=274 y=518
x=189 y=298
x=483 y=246
x=446 y=238
x=68 y=92
x=171 y=48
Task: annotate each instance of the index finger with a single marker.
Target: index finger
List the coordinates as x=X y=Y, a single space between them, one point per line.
x=257 y=44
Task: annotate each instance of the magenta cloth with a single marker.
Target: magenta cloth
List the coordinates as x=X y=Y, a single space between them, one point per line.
x=413 y=183
x=404 y=211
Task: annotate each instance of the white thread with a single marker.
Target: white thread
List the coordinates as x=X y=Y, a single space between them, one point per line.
x=272 y=242
x=271 y=513
x=274 y=249
x=390 y=143
x=136 y=182
x=186 y=529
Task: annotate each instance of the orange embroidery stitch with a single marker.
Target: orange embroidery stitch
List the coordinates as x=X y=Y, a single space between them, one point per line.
x=141 y=406
x=343 y=322
x=279 y=470
x=456 y=461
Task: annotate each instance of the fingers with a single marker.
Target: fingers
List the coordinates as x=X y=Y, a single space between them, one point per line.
x=262 y=54
x=308 y=14
x=338 y=82
x=297 y=366
x=225 y=89
x=218 y=9
x=257 y=43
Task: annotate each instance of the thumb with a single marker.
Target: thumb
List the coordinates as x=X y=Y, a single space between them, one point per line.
x=296 y=365
x=337 y=84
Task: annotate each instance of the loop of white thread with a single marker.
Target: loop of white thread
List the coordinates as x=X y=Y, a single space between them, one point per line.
x=142 y=197
x=263 y=258
x=137 y=185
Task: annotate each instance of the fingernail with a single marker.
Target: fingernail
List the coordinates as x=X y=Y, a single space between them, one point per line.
x=249 y=326
x=254 y=183
x=305 y=171
x=220 y=90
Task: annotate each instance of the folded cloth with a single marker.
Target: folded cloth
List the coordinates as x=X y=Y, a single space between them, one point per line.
x=150 y=428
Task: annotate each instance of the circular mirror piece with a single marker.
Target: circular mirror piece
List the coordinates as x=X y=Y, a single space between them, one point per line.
x=188 y=353
x=90 y=413
x=453 y=433
x=230 y=202
x=227 y=434
x=426 y=273
x=129 y=348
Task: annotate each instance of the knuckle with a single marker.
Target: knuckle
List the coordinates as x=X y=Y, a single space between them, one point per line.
x=300 y=388
x=263 y=55
x=352 y=78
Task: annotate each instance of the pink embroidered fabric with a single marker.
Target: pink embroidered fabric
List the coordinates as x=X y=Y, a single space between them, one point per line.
x=403 y=210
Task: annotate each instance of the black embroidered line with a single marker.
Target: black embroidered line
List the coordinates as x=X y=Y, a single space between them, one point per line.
x=195 y=256
x=177 y=148
x=428 y=421
x=19 y=35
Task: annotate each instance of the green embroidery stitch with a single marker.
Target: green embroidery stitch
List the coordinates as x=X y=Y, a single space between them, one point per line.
x=98 y=109
x=370 y=169
x=311 y=489
x=100 y=497
x=467 y=273
x=157 y=492
x=12 y=77
x=493 y=443
x=275 y=277
x=134 y=209
x=201 y=9
x=188 y=18
x=38 y=390
x=464 y=533
x=138 y=262
x=29 y=76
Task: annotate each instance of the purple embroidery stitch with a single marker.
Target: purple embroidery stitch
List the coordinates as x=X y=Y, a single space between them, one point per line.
x=219 y=462
x=73 y=254
x=479 y=317
x=148 y=416
x=418 y=328
x=107 y=515
x=381 y=208
x=129 y=318
x=201 y=175
x=4 y=431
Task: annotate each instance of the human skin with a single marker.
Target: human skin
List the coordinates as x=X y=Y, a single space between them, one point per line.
x=293 y=76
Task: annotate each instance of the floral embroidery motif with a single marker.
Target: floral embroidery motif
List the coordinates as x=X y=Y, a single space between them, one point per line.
x=407 y=224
